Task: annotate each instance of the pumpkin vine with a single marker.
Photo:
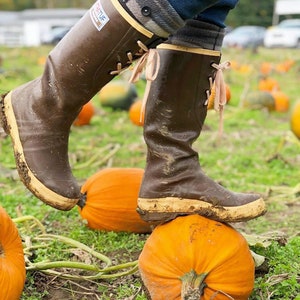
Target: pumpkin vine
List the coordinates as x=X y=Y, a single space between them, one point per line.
x=101 y=269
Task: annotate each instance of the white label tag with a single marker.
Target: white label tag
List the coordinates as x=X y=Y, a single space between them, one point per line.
x=98 y=15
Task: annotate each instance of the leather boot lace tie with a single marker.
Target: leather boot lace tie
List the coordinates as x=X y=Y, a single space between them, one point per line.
x=220 y=91
x=150 y=62
x=131 y=57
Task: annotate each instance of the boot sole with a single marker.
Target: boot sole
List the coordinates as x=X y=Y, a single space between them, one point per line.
x=162 y=210
x=48 y=196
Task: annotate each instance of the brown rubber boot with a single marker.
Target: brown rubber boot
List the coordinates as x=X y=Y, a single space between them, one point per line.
x=39 y=114
x=174 y=183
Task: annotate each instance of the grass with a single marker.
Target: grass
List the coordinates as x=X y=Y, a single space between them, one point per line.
x=257 y=152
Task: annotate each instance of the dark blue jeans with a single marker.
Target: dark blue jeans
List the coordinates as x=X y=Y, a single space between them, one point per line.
x=214 y=12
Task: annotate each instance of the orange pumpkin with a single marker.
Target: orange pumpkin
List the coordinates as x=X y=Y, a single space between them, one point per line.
x=245 y=69
x=109 y=200
x=12 y=264
x=266 y=68
x=192 y=255
x=282 y=101
x=268 y=84
x=284 y=66
x=85 y=115
x=136 y=115
x=295 y=119
x=212 y=96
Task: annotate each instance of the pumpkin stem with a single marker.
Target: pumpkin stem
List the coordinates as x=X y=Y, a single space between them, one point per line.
x=192 y=285
x=82 y=200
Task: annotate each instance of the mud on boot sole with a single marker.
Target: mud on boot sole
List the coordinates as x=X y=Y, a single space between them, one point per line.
x=158 y=211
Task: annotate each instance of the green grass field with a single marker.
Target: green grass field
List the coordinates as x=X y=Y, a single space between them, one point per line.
x=257 y=152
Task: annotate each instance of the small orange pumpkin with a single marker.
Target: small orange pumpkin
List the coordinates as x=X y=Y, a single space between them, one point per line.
x=212 y=96
x=295 y=119
x=268 y=84
x=266 y=68
x=85 y=115
x=282 y=101
x=196 y=257
x=136 y=115
x=284 y=66
x=12 y=263
x=245 y=69
x=109 y=200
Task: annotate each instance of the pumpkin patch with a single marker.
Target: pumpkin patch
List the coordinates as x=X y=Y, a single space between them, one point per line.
x=193 y=256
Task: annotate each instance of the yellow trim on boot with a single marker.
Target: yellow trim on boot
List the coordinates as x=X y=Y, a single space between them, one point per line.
x=158 y=209
x=28 y=178
x=131 y=20
x=189 y=49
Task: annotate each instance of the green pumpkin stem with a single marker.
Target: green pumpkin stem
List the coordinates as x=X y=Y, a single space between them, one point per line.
x=193 y=285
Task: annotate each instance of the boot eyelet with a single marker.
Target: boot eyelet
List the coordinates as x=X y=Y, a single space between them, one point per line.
x=146 y=11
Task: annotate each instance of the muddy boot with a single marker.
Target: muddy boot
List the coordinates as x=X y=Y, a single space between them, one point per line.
x=174 y=183
x=39 y=114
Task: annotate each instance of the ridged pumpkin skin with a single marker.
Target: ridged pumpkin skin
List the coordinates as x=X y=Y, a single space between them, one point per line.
x=111 y=200
x=195 y=243
x=12 y=264
x=295 y=119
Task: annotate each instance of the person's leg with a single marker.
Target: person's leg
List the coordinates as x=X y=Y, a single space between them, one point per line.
x=174 y=183
x=39 y=114
x=214 y=12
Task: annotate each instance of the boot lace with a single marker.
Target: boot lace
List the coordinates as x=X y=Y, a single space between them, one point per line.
x=131 y=58
x=150 y=62
x=220 y=91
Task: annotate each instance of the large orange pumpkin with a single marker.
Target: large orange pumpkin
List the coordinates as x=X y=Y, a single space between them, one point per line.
x=12 y=264
x=193 y=256
x=110 y=200
x=295 y=119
